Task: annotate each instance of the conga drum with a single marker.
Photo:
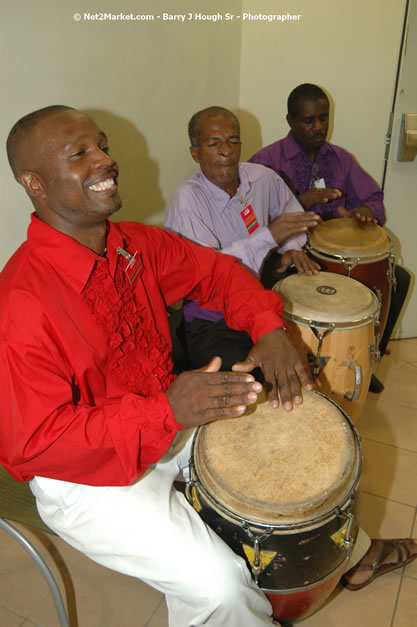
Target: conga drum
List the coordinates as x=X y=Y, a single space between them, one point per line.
x=280 y=488
x=361 y=252
x=331 y=320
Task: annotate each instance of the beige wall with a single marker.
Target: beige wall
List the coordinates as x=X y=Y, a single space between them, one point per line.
x=143 y=80
x=348 y=48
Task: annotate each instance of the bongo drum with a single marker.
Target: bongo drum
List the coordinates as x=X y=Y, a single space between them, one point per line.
x=280 y=488
x=361 y=252
x=331 y=320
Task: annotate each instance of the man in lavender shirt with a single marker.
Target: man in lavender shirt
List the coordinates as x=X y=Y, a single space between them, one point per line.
x=328 y=180
x=246 y=210
x=240 y=209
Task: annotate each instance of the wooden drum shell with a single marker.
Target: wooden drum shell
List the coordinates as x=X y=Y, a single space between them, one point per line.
x=349 y=349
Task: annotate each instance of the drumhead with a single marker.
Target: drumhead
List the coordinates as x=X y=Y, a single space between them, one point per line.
x=272 y=465
x=325 y=298
x=344 y=237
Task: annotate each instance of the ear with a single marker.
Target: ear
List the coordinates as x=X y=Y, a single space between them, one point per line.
x=32 y=183
x=289 y=119
x=195 y=154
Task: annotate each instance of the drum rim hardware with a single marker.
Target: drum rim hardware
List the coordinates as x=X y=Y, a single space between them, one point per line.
x=331 y=326
x=350 y=262
x=284 y=526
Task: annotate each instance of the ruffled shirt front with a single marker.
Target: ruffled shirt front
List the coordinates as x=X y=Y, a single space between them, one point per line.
x=85 y=353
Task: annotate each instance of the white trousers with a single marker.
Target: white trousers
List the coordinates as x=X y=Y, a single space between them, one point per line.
x=149 y=531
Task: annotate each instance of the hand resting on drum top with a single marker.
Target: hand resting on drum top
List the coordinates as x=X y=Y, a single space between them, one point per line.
x=284 y=370
x=200 y=396
x=292 y=223
x=206 y=394
x=363 y=215
x=300 y=260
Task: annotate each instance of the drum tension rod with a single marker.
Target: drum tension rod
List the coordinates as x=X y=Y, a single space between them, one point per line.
x=349 y=518
x=350 y=264
x=391 y=273
x=317 y=363
x=257 y=541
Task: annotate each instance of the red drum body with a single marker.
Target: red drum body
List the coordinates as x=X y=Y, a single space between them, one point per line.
x=331 y=321
x=363 y=253
x=280 y=489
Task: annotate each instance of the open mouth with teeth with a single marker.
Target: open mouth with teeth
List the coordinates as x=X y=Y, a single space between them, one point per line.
x=103 y=186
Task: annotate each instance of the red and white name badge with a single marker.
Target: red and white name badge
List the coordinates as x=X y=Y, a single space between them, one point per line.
x=249 y=218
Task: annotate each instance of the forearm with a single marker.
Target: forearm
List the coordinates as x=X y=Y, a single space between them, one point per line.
x=95 y=441
x=245 y=304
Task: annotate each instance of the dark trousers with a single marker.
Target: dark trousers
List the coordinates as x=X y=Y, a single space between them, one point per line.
x=398 y=297
x=203 y=339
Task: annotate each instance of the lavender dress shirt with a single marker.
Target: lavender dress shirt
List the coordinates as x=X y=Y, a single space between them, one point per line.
x=206 y=214
x=336 y=166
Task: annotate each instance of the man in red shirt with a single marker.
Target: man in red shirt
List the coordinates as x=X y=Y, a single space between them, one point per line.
x=91 y=413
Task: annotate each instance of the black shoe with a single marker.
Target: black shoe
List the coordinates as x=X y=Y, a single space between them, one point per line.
x=375 y=385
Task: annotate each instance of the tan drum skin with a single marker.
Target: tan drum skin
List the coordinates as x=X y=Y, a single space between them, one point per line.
x=278 y=467
x=331 y=320
x=360 y=252
x=290 y=480
x=344 y=237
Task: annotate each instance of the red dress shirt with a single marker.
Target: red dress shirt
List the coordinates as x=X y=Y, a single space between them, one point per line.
x=86 y=349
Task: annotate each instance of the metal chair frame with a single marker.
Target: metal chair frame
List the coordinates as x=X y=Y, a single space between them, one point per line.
x=18 y=504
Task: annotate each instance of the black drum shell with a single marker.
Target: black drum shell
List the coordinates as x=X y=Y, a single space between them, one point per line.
x=305 y=554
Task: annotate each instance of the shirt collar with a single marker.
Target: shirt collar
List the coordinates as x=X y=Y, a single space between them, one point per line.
x=291 y=147
x=221 y=197
x=70 y=258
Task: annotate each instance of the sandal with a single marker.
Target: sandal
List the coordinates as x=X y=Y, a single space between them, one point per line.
x=378 y=567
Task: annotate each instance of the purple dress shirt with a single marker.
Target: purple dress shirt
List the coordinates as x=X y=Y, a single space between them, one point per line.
x=336 y=166
x=206 y=214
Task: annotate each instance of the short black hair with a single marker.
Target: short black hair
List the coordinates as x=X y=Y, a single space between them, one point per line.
x=23 y=127
x=194 y=123
x=306 y=91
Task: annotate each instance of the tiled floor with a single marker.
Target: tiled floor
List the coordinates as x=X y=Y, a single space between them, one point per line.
x=388 y=428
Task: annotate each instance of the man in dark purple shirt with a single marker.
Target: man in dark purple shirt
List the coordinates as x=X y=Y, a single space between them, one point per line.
x=324 y=177
x=328 y=180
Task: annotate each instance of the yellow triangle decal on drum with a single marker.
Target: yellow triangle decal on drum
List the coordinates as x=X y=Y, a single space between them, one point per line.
x=194 y=500
x=265 y=557
x=339 y=538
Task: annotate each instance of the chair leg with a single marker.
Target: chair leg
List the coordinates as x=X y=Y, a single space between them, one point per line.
x=40 y=562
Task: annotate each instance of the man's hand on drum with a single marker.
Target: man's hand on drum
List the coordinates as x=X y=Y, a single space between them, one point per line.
x=300 y=260
x=200 y=396
x=318 y=196
x=363 y=215
x=289 y=224
x=284 y=371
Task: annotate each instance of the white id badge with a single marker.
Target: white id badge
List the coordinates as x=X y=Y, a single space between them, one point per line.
x=319 y=184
